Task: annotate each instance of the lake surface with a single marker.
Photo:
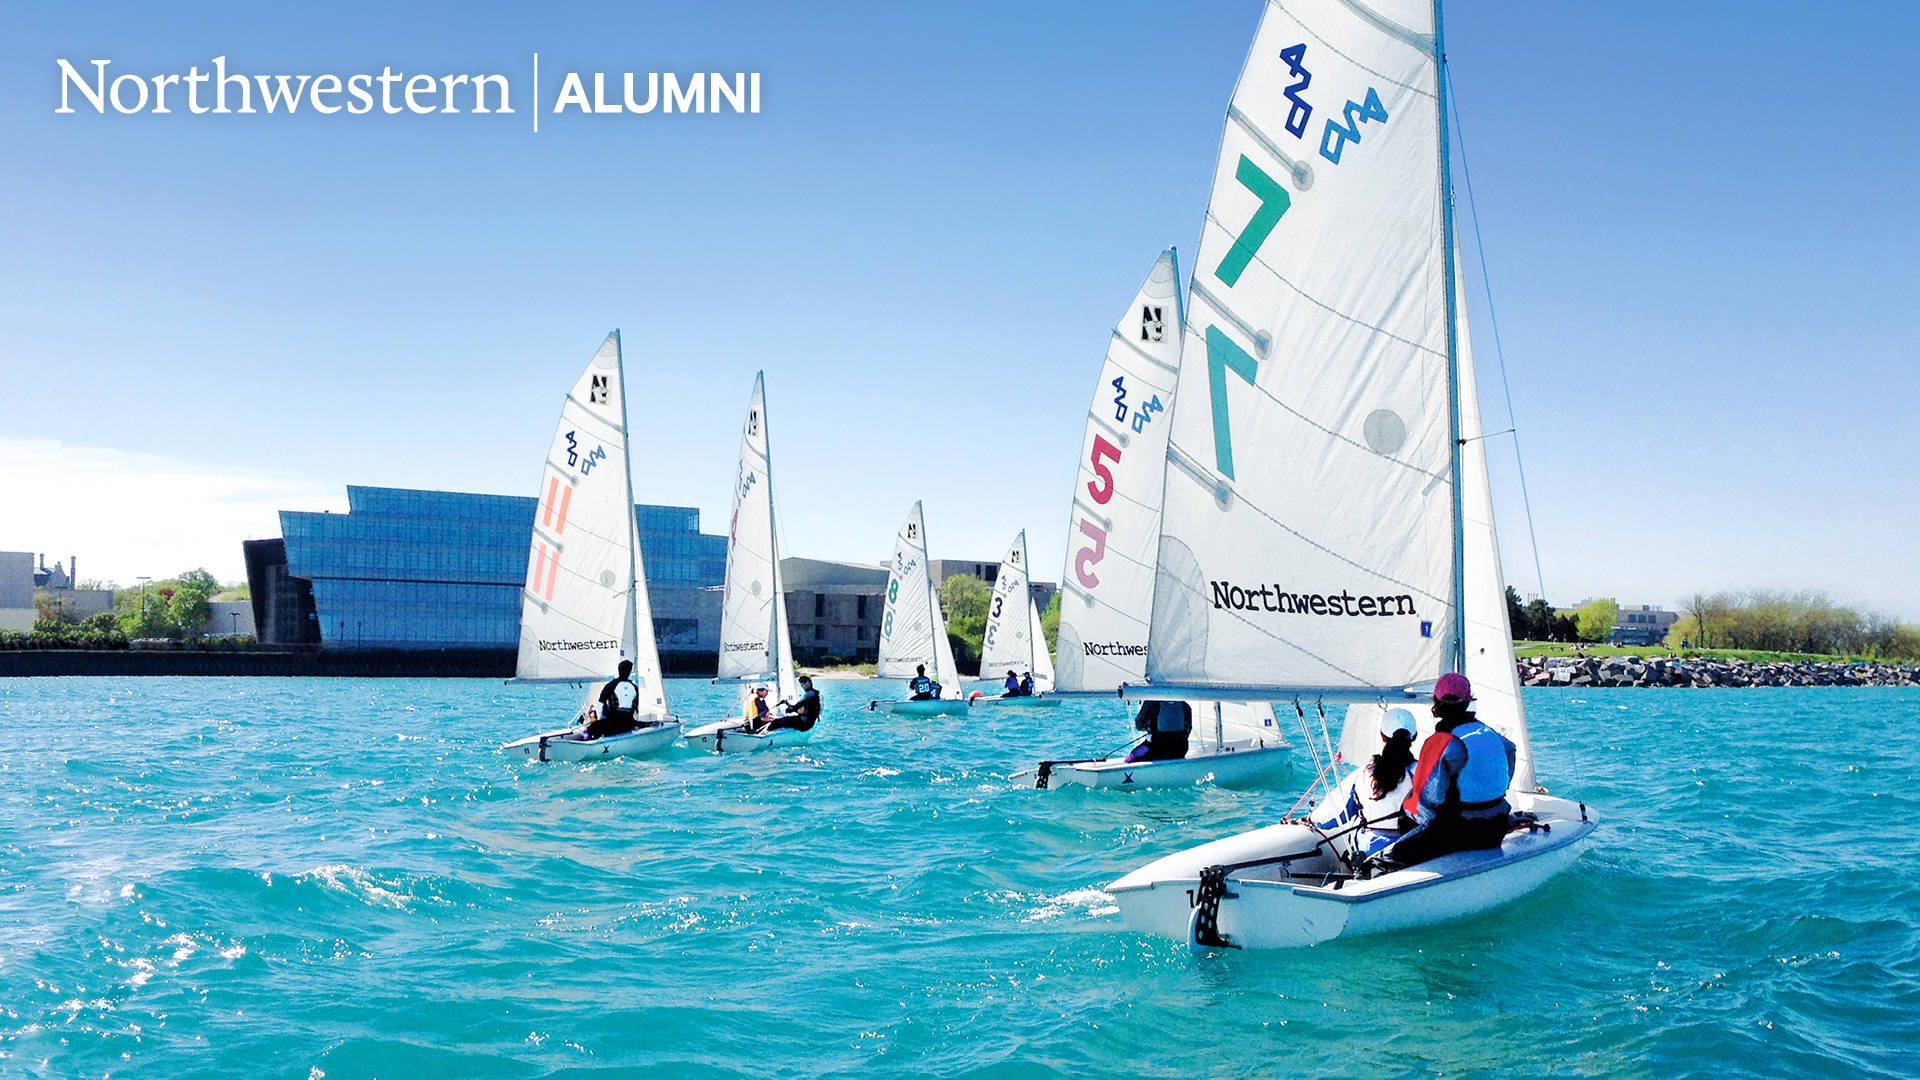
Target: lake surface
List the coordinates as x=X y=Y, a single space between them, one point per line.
x=285 y=877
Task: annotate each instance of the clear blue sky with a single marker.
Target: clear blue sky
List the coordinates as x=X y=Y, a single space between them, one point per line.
x=1697 y=219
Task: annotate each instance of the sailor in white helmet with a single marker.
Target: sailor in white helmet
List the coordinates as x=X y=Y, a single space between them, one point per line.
x=1375 y=791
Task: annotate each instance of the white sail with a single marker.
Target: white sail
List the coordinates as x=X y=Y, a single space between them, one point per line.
x=1113 y=536
x=1307 y=534
x=1490 y=664
x=912 y=631
x=584 y=605
x=753 y=638
x=1043 y=675
x=1007 y=643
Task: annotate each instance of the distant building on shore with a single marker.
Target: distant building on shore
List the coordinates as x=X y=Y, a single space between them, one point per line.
x=833 y=609
x=413 y=570
x=23 y=580
x=1642 y=625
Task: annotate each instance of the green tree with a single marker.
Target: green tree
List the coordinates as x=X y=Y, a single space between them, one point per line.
x=1595 y=619
x=1050 y=623
x=1539 y=620
x=964 y=599
x=189 y=603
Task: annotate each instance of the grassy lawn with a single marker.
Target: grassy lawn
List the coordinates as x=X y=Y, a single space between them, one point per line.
x=1533 y=650
x=839 y=671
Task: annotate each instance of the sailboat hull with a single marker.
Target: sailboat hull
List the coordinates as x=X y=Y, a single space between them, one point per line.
x=987 y=702
x=1307 y=899
x=727 y=737
x=1230 y=767
x=561 y=746
x=939 y=707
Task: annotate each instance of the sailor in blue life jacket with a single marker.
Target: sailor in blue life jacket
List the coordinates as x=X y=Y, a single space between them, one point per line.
x=617 y=701
x=1012 y=685
x=1167 y=724
x=1369 y=801
x=802 y=715
x=1459 y=796
x=924 y=689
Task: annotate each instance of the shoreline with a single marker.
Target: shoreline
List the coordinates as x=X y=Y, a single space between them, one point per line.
x=1710 y=673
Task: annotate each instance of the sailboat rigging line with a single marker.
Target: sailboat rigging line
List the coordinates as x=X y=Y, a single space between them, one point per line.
x=1488 y=435
x=1493 y=322
x=1332 y=752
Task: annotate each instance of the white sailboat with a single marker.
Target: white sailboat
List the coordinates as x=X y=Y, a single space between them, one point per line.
x=1328 y=533
x=913 y=633
x=1014 y=639
x=584 y=606
x=755 y=648
x=1107 y=584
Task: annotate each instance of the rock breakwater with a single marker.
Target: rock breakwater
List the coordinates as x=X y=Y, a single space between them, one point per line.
x=1679 y=671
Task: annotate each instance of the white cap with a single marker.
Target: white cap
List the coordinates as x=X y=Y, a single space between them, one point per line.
x=1397 y=720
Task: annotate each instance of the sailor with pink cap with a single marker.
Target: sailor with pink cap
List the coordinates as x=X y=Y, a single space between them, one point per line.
x=1459 y=797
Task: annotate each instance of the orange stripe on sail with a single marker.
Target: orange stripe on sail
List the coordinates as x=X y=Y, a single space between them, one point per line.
x=566 y=500
x=546 y=509
x=539 y=567
x=554 y=571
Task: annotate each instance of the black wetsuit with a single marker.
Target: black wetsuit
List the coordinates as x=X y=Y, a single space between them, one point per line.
x=804 y=715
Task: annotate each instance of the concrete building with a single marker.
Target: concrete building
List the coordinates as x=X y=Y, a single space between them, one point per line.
x=833 y=608
x=1642 y=625
x=230 y=618
x=407 y=569
x=16 y=591
x=25 y=579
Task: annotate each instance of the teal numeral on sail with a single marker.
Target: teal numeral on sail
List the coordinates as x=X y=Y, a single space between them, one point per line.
x=1273 y=202
x=1222 y=354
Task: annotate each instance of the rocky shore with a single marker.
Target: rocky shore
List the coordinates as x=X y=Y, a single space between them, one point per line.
x=1672 y=671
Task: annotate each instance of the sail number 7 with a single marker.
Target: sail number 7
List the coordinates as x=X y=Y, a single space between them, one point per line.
x=1223 y=354
x=1274 y=202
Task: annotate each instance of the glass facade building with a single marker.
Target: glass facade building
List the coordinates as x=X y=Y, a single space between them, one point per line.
x=412 y=569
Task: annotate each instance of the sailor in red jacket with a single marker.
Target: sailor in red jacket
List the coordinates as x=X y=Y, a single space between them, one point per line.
x=1459 y=797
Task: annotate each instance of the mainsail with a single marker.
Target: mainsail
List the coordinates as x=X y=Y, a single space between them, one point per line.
x=912 y=630
x=584 y=606
x=753 y=628
x=1113 y=537
x=1009 y=640
x=1307 y=540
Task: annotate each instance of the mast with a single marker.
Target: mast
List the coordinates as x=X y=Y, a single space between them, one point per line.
x=773 y=539
x=1459 y=658
x=935 y=623
x=634 y=568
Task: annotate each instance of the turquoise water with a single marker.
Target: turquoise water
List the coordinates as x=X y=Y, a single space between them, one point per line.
x=343 y=877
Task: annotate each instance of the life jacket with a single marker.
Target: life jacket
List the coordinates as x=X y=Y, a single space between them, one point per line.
x=626 y=694
x=1174 y=716
x=921 y=685
x=810 y=705
x=1483 y=779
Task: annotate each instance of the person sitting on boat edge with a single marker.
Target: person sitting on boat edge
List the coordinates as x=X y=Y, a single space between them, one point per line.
x=1026 y=684
x=801 y=715
x=1167 y=724
x=1459 y=796
x=1014 y=687
x=1376 y=791
x=924 y=689
x=759 y=716
x=617 y=701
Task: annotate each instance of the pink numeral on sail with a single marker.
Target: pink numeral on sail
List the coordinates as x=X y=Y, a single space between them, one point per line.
x=1083 y=561
x=1101 y=487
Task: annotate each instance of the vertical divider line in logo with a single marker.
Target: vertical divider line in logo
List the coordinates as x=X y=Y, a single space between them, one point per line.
x=536 y=93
